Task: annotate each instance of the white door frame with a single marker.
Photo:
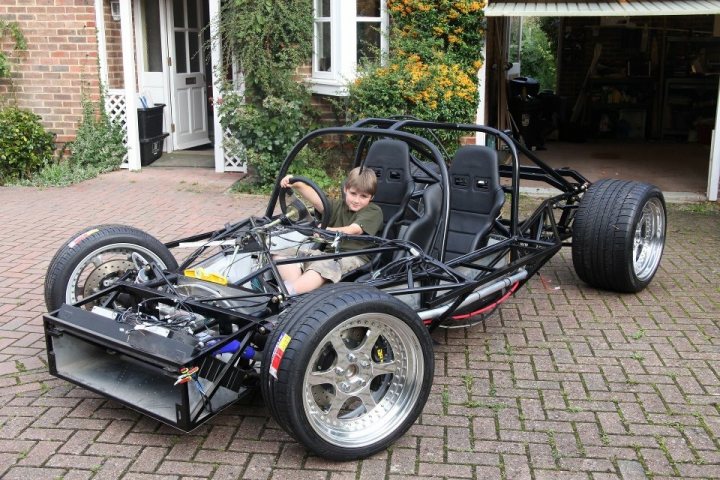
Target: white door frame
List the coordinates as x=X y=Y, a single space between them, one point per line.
x=128 y=50
x=215 y=69
x=714 y=168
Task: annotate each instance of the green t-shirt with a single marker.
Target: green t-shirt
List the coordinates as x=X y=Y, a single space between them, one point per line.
x=370 y=219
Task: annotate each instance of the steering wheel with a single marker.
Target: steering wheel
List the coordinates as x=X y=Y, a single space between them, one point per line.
x=303 y=216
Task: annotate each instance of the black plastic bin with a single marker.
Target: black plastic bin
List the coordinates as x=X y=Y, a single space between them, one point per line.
x=151 y=149
x=526 y=110
x=150 y=121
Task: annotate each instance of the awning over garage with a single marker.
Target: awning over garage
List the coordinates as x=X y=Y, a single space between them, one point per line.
x=616 y=8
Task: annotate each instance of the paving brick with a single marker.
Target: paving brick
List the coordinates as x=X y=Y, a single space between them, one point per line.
x=445 y=470
x=149 y=459
x=403 y=461
x=259 y=467
x=184 y=468
x=228 y=472
x=23 y=473
x=39 y=453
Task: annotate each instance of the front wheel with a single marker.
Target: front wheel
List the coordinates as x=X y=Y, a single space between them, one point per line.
x=347 y=371
x=94 y=258
x=619 y=235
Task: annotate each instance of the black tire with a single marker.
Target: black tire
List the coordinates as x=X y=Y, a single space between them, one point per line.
x=348 y=374
x=619 y=235
x=115 y=243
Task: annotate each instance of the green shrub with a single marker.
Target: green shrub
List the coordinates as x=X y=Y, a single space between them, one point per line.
x=99 y=141
x=431 y=71
x=267 y=131
x=25 y=145
x=269 y=39
x=61 y=174
x=538 y=54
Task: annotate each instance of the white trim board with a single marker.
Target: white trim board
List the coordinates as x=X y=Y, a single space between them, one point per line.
x=617 y=8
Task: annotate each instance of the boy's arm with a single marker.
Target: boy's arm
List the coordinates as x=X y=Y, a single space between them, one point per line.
x=352 y=229
x=304 y=190
x=370 y=221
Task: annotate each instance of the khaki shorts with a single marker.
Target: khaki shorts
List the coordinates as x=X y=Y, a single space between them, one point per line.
x=331 y=269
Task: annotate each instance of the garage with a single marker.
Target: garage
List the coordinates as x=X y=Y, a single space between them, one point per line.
x=635 y=94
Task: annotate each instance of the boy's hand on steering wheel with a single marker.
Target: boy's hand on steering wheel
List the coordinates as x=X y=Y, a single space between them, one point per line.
x=285 y=182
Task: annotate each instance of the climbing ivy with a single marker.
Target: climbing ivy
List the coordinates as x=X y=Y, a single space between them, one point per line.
x=11 y=29
x=270 y=40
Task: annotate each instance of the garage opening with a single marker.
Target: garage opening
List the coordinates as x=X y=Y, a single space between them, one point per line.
x=632 y=96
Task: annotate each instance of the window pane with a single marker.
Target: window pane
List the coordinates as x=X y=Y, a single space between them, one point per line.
x=368 y=41
x=192 y=14
x=180 y=53
x=179 y=13
x=368 y=8
x=194 y=52
x=323 y=8
x=153 y=47
x=324 y=47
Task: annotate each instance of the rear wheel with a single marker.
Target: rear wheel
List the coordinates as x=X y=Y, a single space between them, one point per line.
x=95 y=257
x=619 y=235
x=347 y=371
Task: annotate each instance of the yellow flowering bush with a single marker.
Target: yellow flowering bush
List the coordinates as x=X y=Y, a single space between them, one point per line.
x=431 y=71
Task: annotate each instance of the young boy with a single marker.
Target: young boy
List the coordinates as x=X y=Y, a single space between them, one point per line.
x=354 y=216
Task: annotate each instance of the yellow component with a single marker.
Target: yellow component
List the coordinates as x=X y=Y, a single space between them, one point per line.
x=202 y=274
x=380 y=354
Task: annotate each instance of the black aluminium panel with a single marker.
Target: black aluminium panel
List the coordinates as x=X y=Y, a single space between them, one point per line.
x=97 y=353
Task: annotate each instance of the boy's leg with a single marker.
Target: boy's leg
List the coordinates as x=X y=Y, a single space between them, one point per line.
x=289 y=272
x=307 y=282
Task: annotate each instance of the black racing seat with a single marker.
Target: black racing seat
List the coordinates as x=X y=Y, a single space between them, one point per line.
x=390 y=160
x=422 y=230
x=476 y=198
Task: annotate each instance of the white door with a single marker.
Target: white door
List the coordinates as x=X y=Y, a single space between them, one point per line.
x=188 y=92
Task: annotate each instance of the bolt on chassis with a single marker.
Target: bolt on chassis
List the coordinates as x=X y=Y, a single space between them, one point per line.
x=347 y=368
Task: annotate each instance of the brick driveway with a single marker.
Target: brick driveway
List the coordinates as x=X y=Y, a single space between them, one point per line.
x=565 y=382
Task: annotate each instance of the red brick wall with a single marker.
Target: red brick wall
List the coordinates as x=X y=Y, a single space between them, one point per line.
x=60 y=60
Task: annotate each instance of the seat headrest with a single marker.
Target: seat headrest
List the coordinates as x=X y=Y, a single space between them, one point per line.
x=477 y=160
x=387 y=153
x=474 y=179
x=390 y=160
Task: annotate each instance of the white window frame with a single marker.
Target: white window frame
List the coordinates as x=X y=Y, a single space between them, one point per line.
x=343 y=46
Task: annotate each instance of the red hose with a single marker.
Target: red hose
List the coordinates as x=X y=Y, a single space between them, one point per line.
x=486 y=308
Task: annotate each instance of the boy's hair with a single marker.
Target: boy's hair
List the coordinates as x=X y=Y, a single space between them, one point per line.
x=363 y=179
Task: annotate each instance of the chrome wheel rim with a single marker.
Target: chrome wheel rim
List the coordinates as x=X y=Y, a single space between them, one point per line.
x=649 y=240
x=363 y=380
x=101 y=267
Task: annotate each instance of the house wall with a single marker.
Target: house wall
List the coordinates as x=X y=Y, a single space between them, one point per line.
x=60 y=63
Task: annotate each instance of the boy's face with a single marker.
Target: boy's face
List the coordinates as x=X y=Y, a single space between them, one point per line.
x=355 y=199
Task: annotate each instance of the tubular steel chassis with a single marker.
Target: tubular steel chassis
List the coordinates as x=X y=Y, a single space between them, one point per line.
x=521 y=248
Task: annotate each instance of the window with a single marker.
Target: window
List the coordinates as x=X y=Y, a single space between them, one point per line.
x=346 y=33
